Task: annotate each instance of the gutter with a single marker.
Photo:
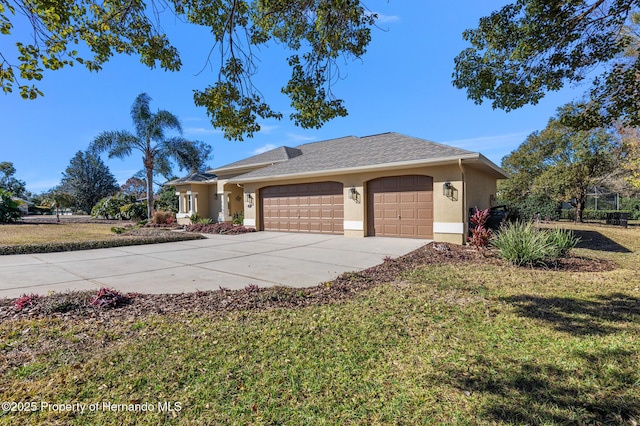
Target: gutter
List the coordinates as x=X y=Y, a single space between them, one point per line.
x=465 y=224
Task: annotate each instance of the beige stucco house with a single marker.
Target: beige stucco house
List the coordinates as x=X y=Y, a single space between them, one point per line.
x=381 y=185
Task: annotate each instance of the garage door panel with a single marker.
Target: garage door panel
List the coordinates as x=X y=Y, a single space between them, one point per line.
x=425 y=214
x=408 y=197
x=390 y=198
x=400 y=206
x=408 y=214
x=425 y=197
x=390 y=214
x=315 y=207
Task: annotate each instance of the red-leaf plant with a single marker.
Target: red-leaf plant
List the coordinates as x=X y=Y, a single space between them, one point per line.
x=480 y=234
x=25 y=300
x=108 y=298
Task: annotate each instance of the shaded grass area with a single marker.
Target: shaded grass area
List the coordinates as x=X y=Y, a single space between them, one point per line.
x=443 y=344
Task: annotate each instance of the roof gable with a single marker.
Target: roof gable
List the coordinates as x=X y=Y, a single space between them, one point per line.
x=193 y=178
x=276 y=155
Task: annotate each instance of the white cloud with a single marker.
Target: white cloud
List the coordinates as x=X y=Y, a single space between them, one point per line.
x=385 y=19
x=490 y=141
x=494 y=147
x=265 y=148
x=264 y=129
x=297 y=138
x=381 y=18
x=202 y=131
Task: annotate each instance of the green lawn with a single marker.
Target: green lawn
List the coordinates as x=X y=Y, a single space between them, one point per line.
x=36 y=233
x=446 y=344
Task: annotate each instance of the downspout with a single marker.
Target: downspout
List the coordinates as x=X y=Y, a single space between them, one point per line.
x=464 y=202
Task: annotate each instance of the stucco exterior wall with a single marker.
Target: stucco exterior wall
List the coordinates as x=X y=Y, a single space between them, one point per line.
x=214 y=202
x=447 y=211
x=201 y=201
x=481 y=189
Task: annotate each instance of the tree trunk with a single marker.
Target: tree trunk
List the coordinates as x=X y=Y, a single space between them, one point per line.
x=148 y=165
x=579 y=208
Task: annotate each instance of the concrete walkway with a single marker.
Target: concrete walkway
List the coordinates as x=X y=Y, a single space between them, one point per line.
x=231 y=261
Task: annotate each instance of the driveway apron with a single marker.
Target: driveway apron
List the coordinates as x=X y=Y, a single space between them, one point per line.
x=229 y=261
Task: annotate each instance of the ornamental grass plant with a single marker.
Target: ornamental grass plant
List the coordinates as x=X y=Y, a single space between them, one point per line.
x=522 y=243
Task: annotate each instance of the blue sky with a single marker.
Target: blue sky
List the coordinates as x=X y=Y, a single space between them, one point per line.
x=403 y=85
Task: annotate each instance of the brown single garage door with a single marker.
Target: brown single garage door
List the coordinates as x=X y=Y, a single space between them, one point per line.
x=310 y=207
x=400 y=206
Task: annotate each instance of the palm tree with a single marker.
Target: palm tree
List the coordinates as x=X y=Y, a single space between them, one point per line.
x=149 y=138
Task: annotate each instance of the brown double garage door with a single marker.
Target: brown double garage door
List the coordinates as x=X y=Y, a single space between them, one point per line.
x=397 y=206
x=310 y=207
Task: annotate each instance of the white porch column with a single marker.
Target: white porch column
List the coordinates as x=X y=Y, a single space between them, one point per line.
x=193 y=202
x=180 y=202
x=227 y=211
x=223 y=206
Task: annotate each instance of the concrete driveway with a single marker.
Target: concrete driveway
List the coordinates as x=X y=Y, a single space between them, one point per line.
x=231 y=261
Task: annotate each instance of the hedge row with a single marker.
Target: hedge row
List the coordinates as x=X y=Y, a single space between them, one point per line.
x=218 y=228
x=89 y=245
x=588 y=214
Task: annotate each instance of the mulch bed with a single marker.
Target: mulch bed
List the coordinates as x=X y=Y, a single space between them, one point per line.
x=77 y=305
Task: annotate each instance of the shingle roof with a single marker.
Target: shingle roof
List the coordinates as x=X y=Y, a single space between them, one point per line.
x=195 y=177
x=353 y=152
x=276 y=155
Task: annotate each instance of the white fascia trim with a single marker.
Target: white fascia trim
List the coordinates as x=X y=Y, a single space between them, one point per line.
x=249 y=222
x=353 y=225
x=448 y=228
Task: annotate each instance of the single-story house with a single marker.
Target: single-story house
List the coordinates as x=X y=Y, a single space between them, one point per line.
x=381 y=185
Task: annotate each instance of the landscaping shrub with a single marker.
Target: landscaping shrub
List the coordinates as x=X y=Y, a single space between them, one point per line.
x=9 y=210
x=162 y=217
x=218 y=228
x=480 y=234
x=74 y=301
x=134 y=211
x=194 y=218
x=563 y=240
x=197 y=220
x=521 y=243
x=120 y=206
x=632 y=205
x=25 y=300
x=600 y=214
x=109 y=298
x=527 y=208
